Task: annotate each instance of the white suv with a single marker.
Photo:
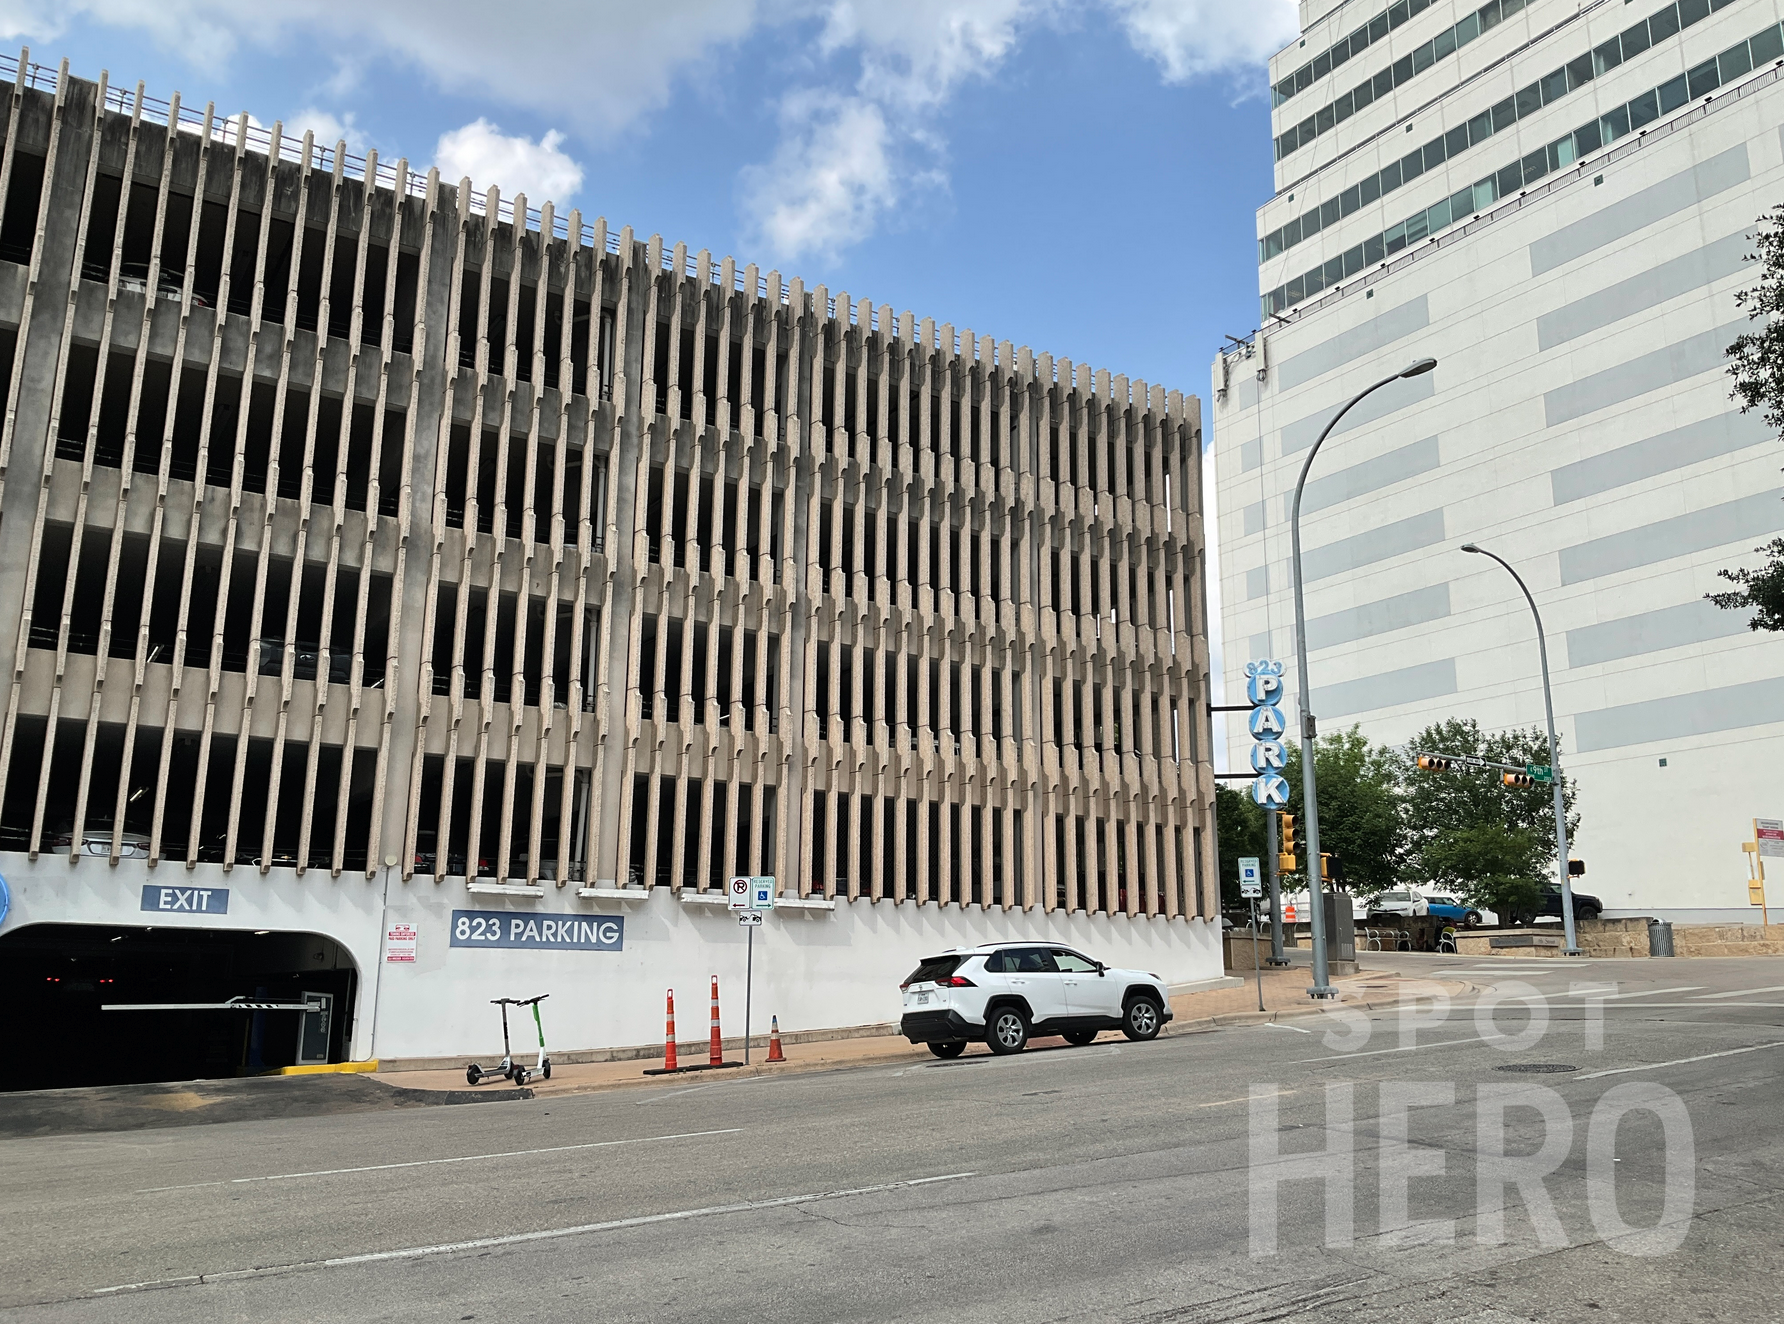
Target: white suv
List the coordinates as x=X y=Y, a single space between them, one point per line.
x=1004 y=992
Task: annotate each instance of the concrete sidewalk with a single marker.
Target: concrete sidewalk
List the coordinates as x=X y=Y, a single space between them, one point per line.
x=1284 y=995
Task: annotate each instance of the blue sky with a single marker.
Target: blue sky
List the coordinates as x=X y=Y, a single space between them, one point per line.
x=1077 y=177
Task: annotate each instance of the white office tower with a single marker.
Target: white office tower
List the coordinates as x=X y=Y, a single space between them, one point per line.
x=1552 y=198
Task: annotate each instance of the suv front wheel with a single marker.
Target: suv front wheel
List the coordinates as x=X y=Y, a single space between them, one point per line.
x=1006 y=1030
x=1142 y=1019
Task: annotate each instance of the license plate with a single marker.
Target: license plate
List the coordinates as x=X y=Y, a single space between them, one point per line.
x=922 y=999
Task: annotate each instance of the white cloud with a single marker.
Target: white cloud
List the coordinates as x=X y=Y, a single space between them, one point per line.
x=830 y=179
x=598 y=64
x=483 y=152
x=1191 y=38
x=915 y=53
x=846 y=158
x=859 y=132
x=328 y=128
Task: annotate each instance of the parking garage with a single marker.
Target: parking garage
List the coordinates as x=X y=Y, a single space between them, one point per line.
x=58 y=981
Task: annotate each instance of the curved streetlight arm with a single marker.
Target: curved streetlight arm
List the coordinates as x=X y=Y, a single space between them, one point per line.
x=1322 y=987
x=1548 y=703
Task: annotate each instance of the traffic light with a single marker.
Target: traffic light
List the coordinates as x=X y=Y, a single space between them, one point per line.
x=1517 y=779
x=1331 y=868
x=1576 y=868
x=1434 y=763
x=1285 y=859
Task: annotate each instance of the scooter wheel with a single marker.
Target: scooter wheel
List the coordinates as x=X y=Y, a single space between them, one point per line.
x=545 y=1069
x=473 y=1073
x=520 y=1075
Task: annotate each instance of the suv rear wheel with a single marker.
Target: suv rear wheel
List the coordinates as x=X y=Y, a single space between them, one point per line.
x=1006 y=1030
x=953 y=1048
x=1141 y=1019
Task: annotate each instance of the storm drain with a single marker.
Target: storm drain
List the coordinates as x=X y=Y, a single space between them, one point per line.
x=1535 y=1068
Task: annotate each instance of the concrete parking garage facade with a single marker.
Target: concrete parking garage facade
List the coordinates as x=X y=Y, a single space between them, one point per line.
x=389 y=553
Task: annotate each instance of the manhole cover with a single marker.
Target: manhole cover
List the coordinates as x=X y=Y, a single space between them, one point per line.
x=1535 y=1068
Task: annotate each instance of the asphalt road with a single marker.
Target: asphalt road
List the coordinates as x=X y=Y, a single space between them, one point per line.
x=1114 y=1182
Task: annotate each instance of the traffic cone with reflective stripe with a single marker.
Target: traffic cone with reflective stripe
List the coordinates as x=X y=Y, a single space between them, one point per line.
x=774 y=1047
x=669 y=1063
x=716 y=1057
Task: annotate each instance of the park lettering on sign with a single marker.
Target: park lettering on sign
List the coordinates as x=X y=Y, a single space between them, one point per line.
x=1263 y=686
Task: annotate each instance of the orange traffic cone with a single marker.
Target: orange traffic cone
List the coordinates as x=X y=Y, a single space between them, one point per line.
x=716 y=1057
x=774 y=1047
x=669 y=1037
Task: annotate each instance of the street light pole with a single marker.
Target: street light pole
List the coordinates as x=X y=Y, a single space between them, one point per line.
x=1548 y=703
x=1322 y=987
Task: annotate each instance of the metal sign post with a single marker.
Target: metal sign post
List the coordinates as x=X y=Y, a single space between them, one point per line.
x=1768 y=839
x=1251 y=887
x=750 y=897
x=1273 y=862
x=749 y=976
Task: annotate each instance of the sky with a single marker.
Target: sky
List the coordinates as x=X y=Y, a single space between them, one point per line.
x=1079 y=176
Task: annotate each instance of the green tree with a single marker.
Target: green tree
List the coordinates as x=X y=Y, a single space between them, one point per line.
x=1757 y=367
x=1496 y=867
x=1238 y=831
x=1465 y=827
x=1360 y=815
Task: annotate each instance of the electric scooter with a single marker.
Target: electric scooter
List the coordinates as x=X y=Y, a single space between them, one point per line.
x=510 y=1069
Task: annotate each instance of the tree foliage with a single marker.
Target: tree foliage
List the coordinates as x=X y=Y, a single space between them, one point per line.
x=1360 y=816
x=1463 y=831
x=1757 y=367
x=1239 y=831
x=1470 y=833
x=1496 y=867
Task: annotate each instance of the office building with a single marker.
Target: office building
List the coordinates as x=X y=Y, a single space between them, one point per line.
x=1553 y=199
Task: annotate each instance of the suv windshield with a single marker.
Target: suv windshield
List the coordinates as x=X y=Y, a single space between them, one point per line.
x=933 y=969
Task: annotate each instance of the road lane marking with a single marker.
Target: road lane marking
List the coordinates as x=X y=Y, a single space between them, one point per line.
x=423 y=1163
x=1649 y=993
x=1404 y=1048
x=1740 y=993
x=521 y=1238
x=1272 y=1025
x=1679 y=1061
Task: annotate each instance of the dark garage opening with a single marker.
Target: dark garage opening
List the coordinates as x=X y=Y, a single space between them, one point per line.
x=55 y=977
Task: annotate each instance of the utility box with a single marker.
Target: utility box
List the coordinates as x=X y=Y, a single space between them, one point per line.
x=1341 y=927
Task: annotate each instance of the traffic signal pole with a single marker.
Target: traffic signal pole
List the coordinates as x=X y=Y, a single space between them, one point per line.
x=1273 y=863
x=1322 y=986
x=1548 y=703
